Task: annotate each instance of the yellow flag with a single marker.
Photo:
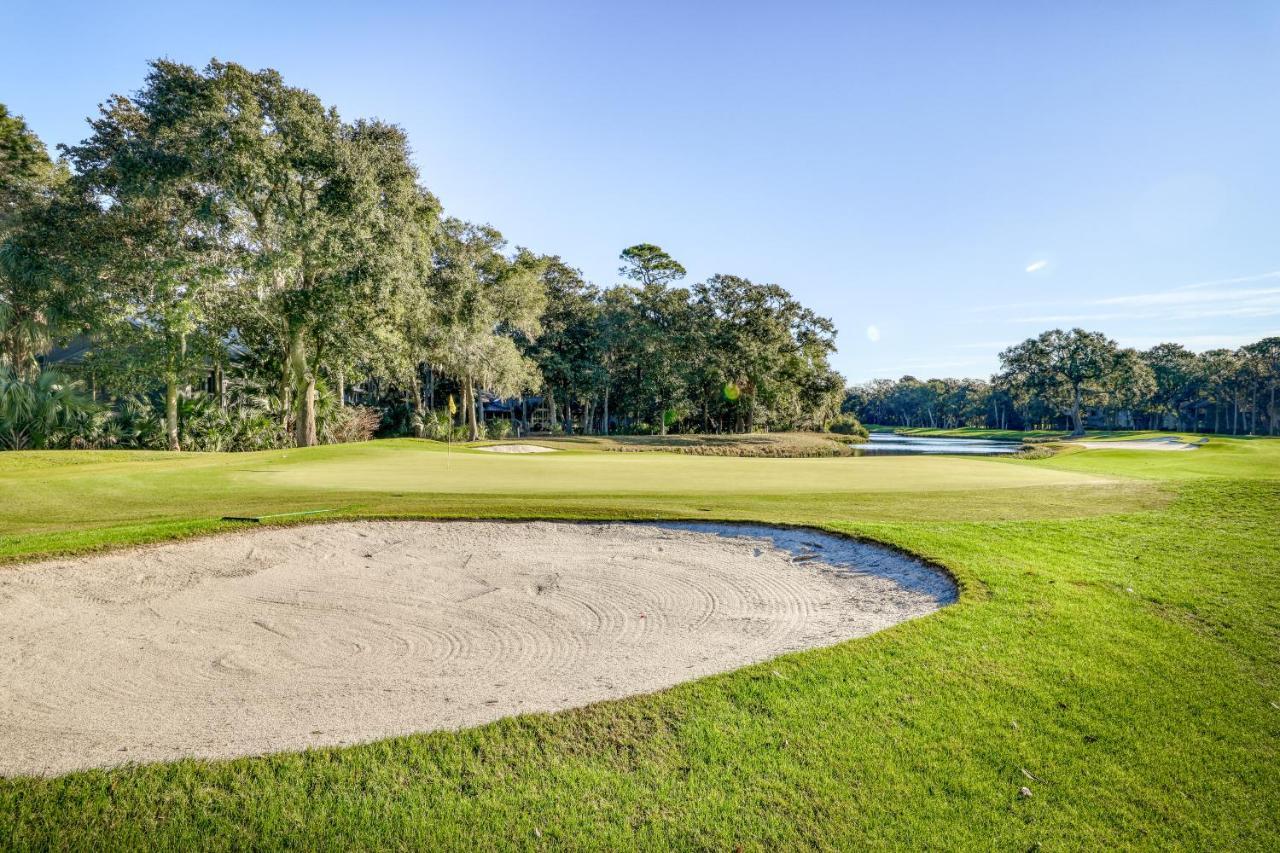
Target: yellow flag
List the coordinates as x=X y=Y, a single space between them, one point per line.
x=453 y=407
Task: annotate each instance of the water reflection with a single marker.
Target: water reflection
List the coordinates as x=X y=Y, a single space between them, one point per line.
x=889 y=444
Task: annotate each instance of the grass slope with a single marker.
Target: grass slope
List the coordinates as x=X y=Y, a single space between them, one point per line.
x=760 y=444
x=1116 y=650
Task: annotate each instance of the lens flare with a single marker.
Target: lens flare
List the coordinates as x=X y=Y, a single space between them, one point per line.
x=731 y=392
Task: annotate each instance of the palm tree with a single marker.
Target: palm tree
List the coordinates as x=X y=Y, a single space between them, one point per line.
x=38 y=412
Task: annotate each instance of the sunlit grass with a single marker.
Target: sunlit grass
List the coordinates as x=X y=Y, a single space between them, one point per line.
x=1118 y=639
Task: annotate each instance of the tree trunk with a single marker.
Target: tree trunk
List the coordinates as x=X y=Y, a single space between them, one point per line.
x=1075 y=412
x=415 y=395
x=177 y=350
x=342 y=389
x=469 y=403
x=171 y=409
x=304 y=385
x=286 y=394
x=1271 y=412
x=551 y=410
x=604 y=419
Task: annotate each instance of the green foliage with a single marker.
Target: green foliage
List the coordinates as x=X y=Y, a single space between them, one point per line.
x=1164 y=387
x=1066 y=370
x=41 y=411
x=498 y=428
x=648 y=265
x=847 y=424
x=433 y=424
x=207 y=426
x=25 y=167
x=135 y=424
x=34 y=298
x=223 y=226
x=484 y=301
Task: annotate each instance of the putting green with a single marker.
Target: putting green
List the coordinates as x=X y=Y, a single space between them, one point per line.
x=67 y=502
x=420 y=467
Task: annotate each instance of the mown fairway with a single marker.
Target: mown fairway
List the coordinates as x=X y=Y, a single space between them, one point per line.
x=1116 y=650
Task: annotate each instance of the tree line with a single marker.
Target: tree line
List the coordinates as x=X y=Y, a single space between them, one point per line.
x=226 y=263
x=1073 y=379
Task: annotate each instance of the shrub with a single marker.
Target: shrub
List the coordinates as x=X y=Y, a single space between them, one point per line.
x=245 y=424
x=135 y=424
x=40 y=412
x=351 y=423
x=847 y=424
x=499 y=428
x=432 y=425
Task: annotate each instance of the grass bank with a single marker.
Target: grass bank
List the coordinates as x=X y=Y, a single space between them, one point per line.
x=1116 y=650
x=776 y=445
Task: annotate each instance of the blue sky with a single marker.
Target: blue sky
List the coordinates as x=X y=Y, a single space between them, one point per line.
x=941 y=179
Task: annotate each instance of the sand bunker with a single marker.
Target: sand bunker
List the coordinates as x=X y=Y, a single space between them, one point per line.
x=287 y=638
x=1138 y=444
x=516 y=448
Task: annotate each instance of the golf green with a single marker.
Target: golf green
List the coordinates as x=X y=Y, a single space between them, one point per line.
x=1109 y=676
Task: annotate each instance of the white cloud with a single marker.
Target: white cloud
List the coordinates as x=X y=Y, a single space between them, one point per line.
x=873 y=334
x=1198 y=343
x=1171 y=307
x=1184 y=296
x=1036 y=266
x=1241 y=280
x=1188 y=302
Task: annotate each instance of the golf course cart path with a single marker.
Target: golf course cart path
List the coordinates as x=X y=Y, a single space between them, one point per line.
x=309 y=636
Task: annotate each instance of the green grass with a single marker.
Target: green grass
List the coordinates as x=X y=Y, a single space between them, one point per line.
x=1117 y=638
x=759 y=444
x=973 y=432
x=1032 y=434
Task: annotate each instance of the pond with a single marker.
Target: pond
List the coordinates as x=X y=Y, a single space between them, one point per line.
x=890 y=444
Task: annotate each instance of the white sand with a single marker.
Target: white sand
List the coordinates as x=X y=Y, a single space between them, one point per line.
x=1138 y=444
x=516 y=448
x=288 y=638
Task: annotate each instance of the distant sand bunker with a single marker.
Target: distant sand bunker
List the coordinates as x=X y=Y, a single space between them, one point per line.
x=1138 y=444
x=287 y=638
x=516 y=448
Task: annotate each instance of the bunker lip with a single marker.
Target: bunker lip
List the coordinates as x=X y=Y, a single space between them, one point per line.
x=286 y=638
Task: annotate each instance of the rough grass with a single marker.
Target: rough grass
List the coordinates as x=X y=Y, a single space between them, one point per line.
x=1049 y=435
x=1116 y=650
x=782 y=445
